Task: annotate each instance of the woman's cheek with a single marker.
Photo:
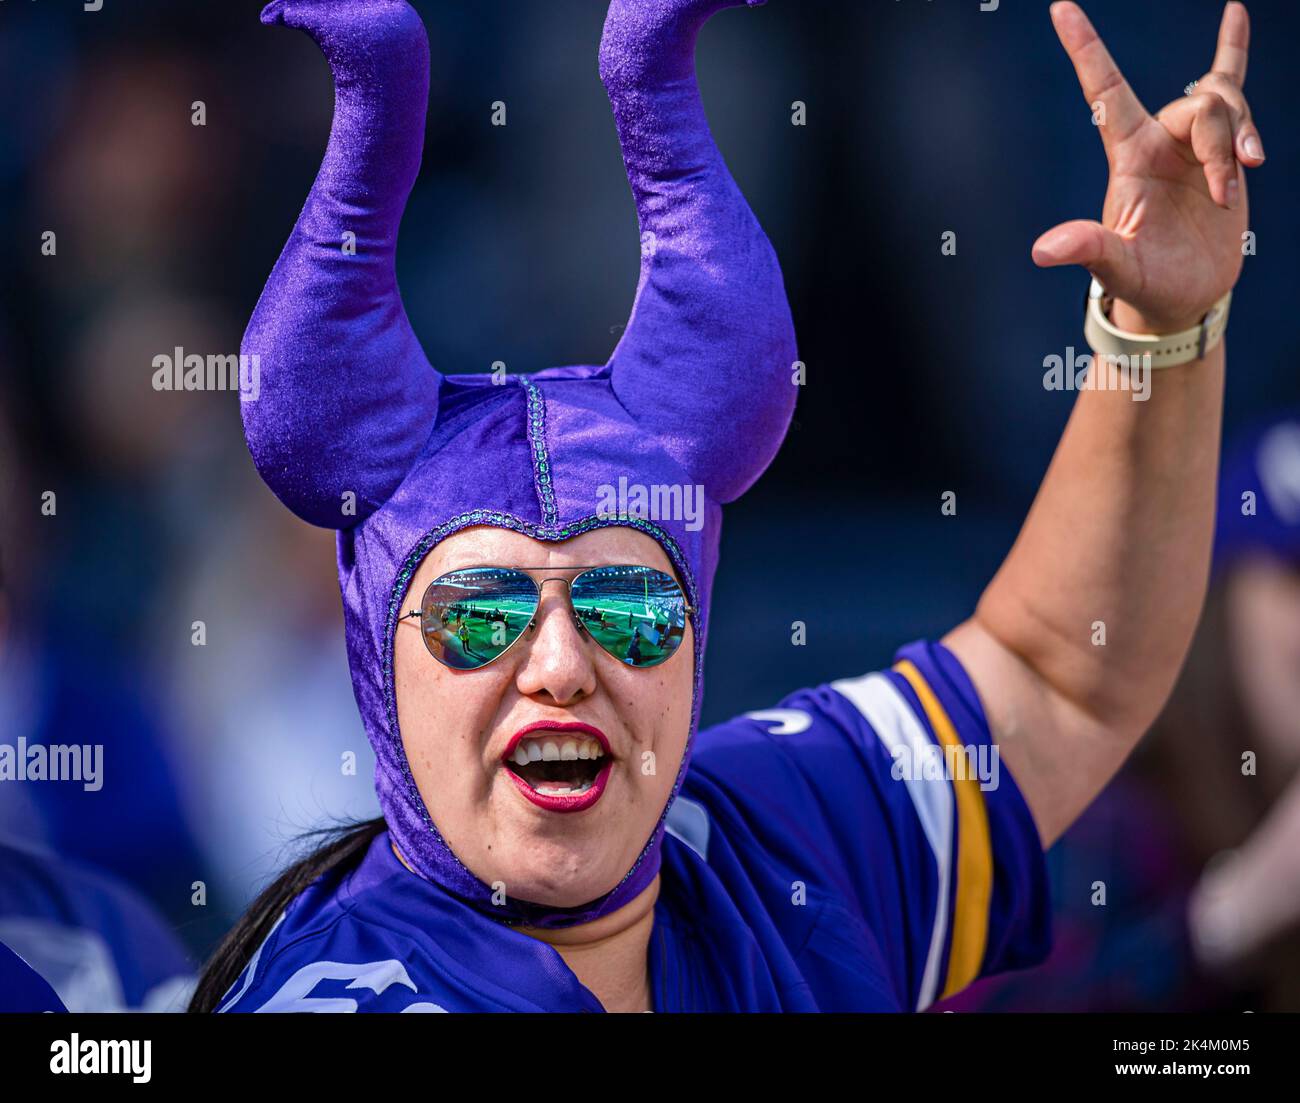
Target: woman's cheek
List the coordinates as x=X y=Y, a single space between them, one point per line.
x=671 y=712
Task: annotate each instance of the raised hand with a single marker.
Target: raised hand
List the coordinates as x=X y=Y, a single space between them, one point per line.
x=1169 y=243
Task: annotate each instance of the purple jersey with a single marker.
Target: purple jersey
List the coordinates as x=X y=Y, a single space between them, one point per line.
x=856 y=848
x=22 y=989
x=99 y=945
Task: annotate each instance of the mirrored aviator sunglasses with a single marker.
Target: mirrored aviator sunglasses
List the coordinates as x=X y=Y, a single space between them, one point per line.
x=472 y=616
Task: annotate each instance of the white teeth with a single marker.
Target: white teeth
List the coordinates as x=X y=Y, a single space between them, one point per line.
x=552 y=791
x=549 y=750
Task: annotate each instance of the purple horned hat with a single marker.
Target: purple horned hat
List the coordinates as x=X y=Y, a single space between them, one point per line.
x=354 y=430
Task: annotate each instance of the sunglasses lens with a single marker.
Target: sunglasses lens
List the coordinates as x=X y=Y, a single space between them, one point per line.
x=470 y=617
x=636 y=614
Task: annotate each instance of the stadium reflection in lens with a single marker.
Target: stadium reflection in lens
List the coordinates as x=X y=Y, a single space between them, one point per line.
x=470 y=617
x=637 y=614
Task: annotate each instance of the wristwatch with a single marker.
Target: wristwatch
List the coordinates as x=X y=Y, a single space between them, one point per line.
x=1166 y=350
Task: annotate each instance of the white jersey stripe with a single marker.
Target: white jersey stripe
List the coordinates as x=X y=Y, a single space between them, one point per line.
x=897 y=726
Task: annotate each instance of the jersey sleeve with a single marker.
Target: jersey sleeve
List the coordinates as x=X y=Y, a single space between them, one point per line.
x=886 y=794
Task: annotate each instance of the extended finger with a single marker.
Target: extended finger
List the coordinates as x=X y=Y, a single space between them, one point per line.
x=1098 y=74
x=1234 y=43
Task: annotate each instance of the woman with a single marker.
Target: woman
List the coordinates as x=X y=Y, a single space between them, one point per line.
x=555 y=834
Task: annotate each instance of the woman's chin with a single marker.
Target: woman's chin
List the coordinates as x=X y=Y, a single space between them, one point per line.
x=556 y=876
x=566 y=896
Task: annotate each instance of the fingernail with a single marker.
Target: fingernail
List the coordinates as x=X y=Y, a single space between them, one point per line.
x=1254 y=148
x=1234 y=192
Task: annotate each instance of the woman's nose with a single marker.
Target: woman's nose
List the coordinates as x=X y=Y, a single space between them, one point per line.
x=557 y=661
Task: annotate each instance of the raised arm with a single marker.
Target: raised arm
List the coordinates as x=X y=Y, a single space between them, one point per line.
x=347 y=395
x=707 y=358
x=1076 y=643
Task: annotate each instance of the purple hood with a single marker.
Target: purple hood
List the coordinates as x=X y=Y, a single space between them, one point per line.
x=354 y=430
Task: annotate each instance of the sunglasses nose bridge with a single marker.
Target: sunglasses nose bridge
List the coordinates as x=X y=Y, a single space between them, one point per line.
x=556 y=578
x=568 y=585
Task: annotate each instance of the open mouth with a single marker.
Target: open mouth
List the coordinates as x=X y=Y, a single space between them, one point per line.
x=555 y=764
x=561 y=767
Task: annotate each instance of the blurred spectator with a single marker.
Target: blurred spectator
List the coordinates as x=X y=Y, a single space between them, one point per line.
x=1180 y=888
x=272 y=743
x=92 y=940
x=97 y=944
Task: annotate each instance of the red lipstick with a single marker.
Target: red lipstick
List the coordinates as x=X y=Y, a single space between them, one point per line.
x=555 y=726
x=554 y=802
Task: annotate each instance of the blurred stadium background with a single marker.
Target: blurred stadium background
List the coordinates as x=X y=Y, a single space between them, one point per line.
x=520 y=246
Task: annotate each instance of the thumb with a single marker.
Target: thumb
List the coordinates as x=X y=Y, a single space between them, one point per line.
x=1090 y=244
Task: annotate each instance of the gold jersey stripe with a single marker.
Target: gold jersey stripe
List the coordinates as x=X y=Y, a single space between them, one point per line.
x=970 y=923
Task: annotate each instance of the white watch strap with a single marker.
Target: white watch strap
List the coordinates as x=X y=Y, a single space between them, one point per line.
x=1166 y=350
